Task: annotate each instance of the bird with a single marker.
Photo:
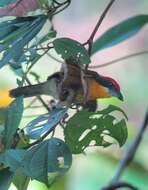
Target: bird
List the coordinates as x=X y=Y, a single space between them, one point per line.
x=86 y=86
x=73 y=85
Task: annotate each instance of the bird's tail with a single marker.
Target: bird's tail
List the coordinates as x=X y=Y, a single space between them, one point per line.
x=28 y=91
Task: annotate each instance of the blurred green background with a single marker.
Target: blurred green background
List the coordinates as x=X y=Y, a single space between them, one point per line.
x=94 y=170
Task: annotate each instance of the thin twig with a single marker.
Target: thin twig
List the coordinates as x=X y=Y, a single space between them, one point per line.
x=30 y=116
x=119 y=59
x=120 y=185
x=44 y=48
x=33 y=107
x=66 y=3
x=39 y=97
x=91 y=38
x=54 y=58
x=30 y=67
x=31 y=103
x=129 y=155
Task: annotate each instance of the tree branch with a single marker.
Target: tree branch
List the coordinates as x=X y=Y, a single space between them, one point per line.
x=120 y=185
x=64 y=5
x=39 y=97
x=129 y=155
x=119 y=59
x=91 y=38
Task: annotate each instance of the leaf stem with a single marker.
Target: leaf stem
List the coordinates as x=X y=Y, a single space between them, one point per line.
x=129 y=155
x=65 y=4
x=39 y=97
x=120 y=185
x=91 y=38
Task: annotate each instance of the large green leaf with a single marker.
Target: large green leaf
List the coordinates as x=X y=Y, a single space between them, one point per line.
x=47 y=161
x=69 y=48
x=86 y=127
x=12 y=158
x=112 y=108
x=5 y=179
x=13 y=118
x=120 y=32
x=13 y=44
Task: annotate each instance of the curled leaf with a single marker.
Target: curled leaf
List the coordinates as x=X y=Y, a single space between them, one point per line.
x=39 y=126
x=98 y=129
x=47 y=161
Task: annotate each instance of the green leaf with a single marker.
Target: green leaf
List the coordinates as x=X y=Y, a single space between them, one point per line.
x=12 y=158
x=39 y=126
x=13 y=118
x=7 y=28
x=112 y=108
x=10 y=30
x=47 y=161
x=85 y=128
x=120 y=32
x=5 y=179
x=3 y=114
x=14 y=49
x=118 y=131
x=13 y=33
x=44 y=38
x=69 y=48
x=20 y=180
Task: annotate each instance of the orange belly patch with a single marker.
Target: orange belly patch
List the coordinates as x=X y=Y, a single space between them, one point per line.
x=97 y=91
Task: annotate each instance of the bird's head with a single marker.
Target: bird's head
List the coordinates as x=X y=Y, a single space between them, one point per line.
x=112 y=86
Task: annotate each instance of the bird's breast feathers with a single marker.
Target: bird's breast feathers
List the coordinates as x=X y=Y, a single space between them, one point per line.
x=97 y=91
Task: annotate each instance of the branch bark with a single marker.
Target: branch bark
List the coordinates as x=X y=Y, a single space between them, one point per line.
x=91 y=38
x=39 y=97
x=120 y=185
x=129 y=155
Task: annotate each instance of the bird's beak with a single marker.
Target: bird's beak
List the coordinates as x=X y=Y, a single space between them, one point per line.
x=120 y=96
x=117 y=94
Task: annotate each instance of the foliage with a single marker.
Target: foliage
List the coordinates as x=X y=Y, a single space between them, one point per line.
x=13 y=117
x=69 y=48
x=46 y=160
x=120 y=32
x=39 y=126
x=94 y=127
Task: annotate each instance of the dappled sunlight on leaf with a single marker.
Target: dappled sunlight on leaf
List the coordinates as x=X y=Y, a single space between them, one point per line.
x=86 y=126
